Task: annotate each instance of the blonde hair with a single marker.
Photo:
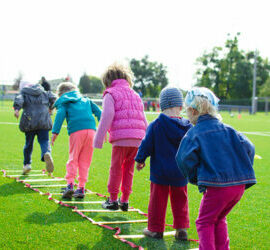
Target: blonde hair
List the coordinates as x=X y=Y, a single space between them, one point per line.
x=65 y=87
x=203 y=106
x=117 y=71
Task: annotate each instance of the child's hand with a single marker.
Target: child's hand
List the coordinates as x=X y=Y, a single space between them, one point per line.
x=140 y=166
x=54 y=136
x=16 y=113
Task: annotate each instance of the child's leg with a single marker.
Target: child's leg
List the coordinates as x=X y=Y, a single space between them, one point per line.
x=211 y=223
x=128 y=172
x=43 y=139
x=75 y=145
x=28 y=147
x=85 y=156
x=179 y=203
x=221 y=230
x=115 y=172
x=157 y=207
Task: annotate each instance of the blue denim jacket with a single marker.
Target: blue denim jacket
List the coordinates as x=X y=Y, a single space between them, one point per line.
x=214 y=154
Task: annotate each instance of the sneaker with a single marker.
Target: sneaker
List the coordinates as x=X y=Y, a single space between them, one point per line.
x=123 y=205
x=26 y=169
x=156 y=235
x=49 y=162
x=110 y=205
x=68 y=192
x=79 y=193
x=181 y=234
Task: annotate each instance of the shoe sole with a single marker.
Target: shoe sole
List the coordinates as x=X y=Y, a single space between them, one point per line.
x=109 y=208
x=26 y=171
x=78 y=196
x=68 y=194
x=123 y=209
x=49 y=163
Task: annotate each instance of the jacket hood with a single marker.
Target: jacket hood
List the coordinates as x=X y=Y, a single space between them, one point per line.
x=34 y=90
x=73 y=96
x=174 y=128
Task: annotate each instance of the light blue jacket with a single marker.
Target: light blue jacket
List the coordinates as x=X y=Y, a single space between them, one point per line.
x=77 y=110
x=214 y=154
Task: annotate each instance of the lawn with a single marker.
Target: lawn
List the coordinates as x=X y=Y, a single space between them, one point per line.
x=30 y=221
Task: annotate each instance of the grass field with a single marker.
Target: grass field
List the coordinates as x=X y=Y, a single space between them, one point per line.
x=30 y=221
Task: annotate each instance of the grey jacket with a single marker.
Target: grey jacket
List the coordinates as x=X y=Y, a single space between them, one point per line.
x=35 y=103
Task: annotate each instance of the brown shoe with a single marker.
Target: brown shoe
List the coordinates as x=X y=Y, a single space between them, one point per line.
x=49 y=162
x=156 y=235
x=181 y=234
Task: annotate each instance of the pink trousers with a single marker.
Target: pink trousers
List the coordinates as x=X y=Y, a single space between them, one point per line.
x=211 y=223
x=121 y=172
x=158 y=204
x=80 y=155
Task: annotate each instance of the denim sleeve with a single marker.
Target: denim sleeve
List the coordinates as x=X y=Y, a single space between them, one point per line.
x=248 y=146
x=59 y=119
x=187 y=159
x=147 y=146
x=96 y=110
x=18 y=102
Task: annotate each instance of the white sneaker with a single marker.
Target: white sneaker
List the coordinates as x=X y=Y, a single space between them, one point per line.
x=49 y=162
x=26 y=169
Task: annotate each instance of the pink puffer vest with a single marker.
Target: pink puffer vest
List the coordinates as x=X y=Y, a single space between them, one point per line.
x=128 y=121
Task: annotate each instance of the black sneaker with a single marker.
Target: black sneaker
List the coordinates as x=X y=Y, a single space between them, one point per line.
x=181 y=234
x=79 y=193
x=110 y=205
x=123 y=205
x=68 y=192
x=156 y=235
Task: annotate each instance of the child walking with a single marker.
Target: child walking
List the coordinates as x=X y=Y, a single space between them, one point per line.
x=35 y=121
x=124 y=118
x=161 y=142
x=78 y=112
x=219 y=160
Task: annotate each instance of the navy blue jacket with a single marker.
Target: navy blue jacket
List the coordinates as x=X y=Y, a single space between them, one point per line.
x=161 y=142
x=214 y=154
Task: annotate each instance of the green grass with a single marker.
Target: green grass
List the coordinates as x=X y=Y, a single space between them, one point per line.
x=30 y=221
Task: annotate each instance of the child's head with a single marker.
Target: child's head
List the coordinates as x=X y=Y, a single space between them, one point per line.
x=65 y=87
x=117 y=71
x=170 y=98
x=200 y=101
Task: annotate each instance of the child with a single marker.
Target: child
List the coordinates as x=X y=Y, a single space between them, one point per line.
x=35 y=120
x=219 y=160
x=78 y=111
x=124 y=118
x=161 y=142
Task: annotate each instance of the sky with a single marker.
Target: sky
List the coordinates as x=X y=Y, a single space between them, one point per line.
x=54 y=38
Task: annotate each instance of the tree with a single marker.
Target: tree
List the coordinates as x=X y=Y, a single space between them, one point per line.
x=95 y=85
x=150 y=77
x=90 y=84
x=265 y=89
x=228 y=71
x=84 y=84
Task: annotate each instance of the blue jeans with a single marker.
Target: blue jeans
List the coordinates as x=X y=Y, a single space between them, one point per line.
x=43 y=140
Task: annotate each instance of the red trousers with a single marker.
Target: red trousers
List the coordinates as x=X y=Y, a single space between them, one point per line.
x=121 y=172
x=158 y=204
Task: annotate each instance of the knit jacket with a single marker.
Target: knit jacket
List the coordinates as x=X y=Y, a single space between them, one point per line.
x=77 y=110
x=128 y=121
x=161 y=143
